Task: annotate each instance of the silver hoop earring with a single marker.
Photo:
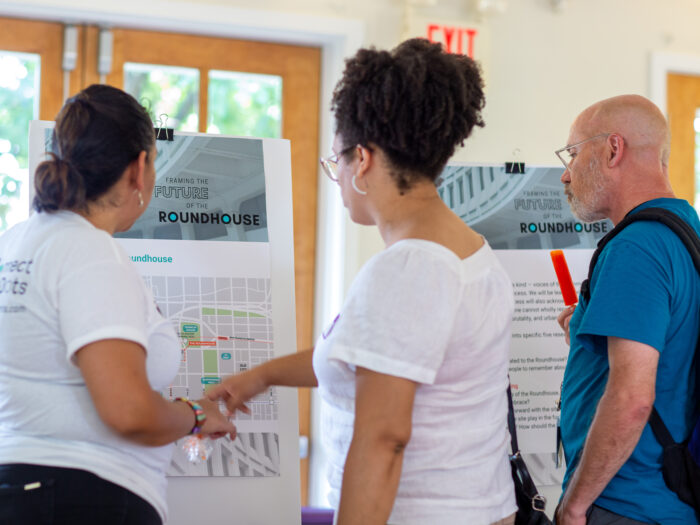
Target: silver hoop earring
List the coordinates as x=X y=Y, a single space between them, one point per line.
x=140 y=199
x=354 y=186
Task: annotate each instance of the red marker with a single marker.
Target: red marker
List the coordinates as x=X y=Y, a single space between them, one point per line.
x=565 y=283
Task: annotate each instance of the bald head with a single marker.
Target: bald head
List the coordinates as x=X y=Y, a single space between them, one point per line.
x=637 y=119
x=608 y=178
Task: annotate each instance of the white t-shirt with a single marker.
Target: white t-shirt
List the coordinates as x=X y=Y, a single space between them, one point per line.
x=64 y=284
x=417 y=311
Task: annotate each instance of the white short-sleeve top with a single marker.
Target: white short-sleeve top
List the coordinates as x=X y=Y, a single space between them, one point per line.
x=64 y=284
x=419 y=312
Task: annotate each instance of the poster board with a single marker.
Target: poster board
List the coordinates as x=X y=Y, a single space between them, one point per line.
x=523 y=215
x=215 y=246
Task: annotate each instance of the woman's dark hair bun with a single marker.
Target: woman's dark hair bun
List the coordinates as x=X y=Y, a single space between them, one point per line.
x=57 y=186
x=416 y=102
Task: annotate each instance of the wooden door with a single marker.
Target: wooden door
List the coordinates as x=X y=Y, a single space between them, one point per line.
x=683 y=95
x=299 y=70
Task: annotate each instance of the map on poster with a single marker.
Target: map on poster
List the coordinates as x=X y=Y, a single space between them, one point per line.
x=225 y=327
x=523 y=216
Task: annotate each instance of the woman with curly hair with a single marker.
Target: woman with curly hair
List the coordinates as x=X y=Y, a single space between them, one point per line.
x=413 y=371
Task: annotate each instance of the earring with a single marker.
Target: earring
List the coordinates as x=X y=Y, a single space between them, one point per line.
x=140 y=199
x=354 y=186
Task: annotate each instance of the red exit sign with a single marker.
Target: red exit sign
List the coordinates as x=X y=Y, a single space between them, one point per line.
x=459 y=40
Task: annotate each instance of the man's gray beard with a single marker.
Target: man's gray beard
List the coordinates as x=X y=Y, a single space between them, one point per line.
x=590 y=212
x=582 y=213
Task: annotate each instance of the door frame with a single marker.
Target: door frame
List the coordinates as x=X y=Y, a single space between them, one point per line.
x=662 y=63
x=337 y=37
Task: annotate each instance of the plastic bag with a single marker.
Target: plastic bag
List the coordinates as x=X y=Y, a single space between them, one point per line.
x=198 y=449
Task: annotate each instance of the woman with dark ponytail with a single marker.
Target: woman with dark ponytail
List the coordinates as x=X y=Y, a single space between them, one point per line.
x=84 y=435
x=413 y=371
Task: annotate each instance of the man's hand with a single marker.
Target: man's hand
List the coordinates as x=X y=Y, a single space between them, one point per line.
x=564 y=319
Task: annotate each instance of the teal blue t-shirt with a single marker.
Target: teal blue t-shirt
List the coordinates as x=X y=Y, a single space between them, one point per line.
x=644 y=288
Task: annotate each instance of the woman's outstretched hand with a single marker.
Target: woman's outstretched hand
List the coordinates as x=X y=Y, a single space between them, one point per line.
x=235 y=391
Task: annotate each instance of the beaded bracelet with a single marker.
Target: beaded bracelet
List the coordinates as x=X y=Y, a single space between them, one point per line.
x=199 y=416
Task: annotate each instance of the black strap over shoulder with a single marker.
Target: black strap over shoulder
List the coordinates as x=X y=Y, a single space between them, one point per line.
x=663 y=435
x=692 y=243
x=682 y=229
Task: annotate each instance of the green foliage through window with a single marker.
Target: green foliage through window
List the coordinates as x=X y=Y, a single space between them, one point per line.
x=19 y=104
x=241 y=104
x=170 y=94
x=244 y=104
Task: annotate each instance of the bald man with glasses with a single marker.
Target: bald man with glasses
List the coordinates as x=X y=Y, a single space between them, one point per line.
x=632 y=341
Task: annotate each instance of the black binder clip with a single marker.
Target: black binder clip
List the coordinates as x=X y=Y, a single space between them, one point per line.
x=515 y=168
x=163 y=132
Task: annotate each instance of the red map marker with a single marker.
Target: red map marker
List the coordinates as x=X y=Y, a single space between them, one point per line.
x=565 y=283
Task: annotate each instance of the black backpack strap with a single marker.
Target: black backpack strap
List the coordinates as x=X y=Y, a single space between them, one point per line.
x=663 y=436
x=692 y=243
x=682 y=229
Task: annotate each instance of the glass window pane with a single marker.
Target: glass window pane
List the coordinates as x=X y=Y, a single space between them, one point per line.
x=244 y=104
x=19 y=104
x=171 y=94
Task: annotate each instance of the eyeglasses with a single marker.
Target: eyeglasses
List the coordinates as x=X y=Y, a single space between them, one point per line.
x=566 y=155
x=330 y=164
